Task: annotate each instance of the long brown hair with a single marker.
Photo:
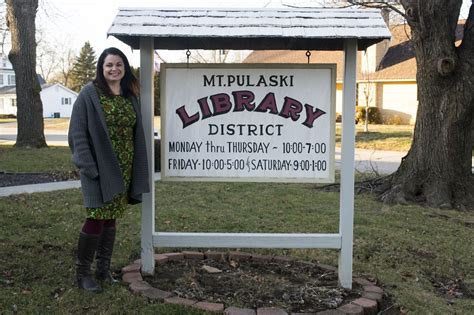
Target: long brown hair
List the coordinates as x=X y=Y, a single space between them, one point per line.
x=129 y=83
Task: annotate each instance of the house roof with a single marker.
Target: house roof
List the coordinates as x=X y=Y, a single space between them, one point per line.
x=259 y=29
x=49 y=85
x=287 y=56
x=8 y=89
x=398 y=63
x=11 y=89
x=41 y=80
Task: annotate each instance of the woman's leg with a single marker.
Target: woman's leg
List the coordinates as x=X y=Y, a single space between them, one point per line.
x=92 y=226
x=104 y=252
x=86 y=248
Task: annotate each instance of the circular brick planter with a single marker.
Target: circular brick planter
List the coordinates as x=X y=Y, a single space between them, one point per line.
x=368 y=303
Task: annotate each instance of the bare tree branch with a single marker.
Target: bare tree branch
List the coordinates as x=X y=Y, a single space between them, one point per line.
x=350 y=3
x=4 y=34
x=378 y=5
x=201 y=58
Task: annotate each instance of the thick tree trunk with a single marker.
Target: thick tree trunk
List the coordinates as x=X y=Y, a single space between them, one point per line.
x=21 y=16
x=438 y=168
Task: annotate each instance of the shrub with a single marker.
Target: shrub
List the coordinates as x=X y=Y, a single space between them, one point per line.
x=374 y=115
x=339 y=118
x=394 y=120
x=6 y=116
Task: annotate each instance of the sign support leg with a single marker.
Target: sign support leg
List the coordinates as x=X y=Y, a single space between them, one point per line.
x=346 y=203
x=147 y=111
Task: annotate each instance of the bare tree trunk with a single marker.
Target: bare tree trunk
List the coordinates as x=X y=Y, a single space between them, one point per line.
x=438 y=168
x=21 y=16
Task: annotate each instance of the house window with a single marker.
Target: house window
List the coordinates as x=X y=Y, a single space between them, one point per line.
x=1 y=79
x=66 y=101
x=11 y=79
x=13 y=102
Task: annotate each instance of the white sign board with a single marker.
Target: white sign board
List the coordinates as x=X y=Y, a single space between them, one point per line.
x=242 y=122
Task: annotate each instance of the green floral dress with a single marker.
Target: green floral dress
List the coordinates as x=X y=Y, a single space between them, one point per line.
x=120 y=118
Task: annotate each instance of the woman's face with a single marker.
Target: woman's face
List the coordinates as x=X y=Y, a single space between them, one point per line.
x=114 y=69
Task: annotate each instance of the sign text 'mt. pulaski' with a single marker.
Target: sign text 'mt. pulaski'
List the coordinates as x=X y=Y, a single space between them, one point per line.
x=244 y=100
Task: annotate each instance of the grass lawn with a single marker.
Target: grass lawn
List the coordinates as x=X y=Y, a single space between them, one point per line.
x=415 y=253
x=7 y=120
x=381 y=137
x=423 y=257
x=51 y=159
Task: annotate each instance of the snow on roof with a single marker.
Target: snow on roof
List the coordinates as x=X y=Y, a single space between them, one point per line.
x=184 y=28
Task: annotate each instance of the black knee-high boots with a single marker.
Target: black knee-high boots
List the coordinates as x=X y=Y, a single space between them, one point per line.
x=105 y=249
x=101 y=246
x=86 y=249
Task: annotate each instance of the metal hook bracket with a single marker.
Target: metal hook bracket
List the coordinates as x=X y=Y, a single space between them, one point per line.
x=188 y=54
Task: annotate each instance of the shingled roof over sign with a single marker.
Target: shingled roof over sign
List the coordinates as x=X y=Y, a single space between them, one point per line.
x=257 y=29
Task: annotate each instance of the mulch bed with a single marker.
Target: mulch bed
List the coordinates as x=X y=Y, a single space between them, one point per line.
x=254 y=282
x=290 y=286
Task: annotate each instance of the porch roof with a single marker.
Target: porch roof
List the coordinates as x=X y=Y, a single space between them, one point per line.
x=255 y=29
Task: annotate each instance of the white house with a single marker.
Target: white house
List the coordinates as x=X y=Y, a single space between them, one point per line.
x=7 y=81
x=57 y=99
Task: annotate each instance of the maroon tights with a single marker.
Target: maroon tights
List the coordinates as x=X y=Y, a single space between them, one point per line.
x=95 y=227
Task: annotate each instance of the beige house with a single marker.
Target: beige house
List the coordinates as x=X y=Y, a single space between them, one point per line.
x=386 y=76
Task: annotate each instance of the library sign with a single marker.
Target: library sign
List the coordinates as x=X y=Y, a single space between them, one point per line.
x=262 y=122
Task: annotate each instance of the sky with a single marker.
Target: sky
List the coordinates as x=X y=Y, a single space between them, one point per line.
x=72 y=23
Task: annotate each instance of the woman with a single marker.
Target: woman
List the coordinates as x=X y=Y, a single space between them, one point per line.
x=108 y=146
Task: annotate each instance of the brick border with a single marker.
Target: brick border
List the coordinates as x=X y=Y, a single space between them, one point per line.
x=367 y=304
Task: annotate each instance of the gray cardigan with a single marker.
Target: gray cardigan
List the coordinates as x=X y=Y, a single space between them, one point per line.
x=92 y=152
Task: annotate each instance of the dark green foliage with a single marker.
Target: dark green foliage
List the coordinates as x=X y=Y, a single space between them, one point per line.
x=84 y=68
x=374 y=115
x=156 y=84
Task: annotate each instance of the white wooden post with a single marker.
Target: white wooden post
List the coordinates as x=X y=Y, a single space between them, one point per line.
x=147 y=109
x=346 y=203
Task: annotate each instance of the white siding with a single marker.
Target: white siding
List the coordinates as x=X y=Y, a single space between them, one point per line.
x=8 y=104
x=400 y=99
x=366 y=93
x=51 y=96
x=6 y=77
x=339 y=98
x=52 y=101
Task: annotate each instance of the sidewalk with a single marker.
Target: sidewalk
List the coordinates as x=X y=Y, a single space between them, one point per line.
x=382 y=162
x=45 y=187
